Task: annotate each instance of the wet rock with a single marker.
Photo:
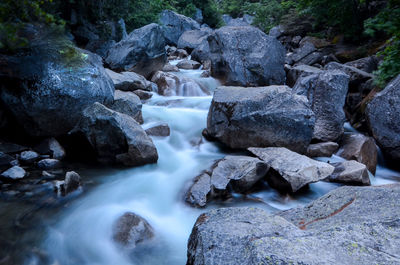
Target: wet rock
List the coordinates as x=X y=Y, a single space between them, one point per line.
x=28 y=157
x=291 y=171
x=170 y=68
x=143 y=51
x=199 y=191
x=350 y=172
x=383 y=114
x=260 y=117
x=72 y=182
x=5 y=160
x=116 y=137
x=128 y=103
x=245 y=56
x=174 y=25
x=327 y=94
x=129 y=81
x=143 y=95
x=14 y=173
x=326 y=149
x=52 y=147
x=159 y=130
x=191 y=39
x=49 y=163
x=188 y=65
x=131 y=229
x=355 y=146
x=295 y=72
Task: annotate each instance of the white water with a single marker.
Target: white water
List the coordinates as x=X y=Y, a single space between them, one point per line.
x=84 y=233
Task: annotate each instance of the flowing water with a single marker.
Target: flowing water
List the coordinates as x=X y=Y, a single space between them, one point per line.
x=82 y=233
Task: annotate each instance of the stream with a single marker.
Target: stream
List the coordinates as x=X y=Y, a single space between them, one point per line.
x=81 y=232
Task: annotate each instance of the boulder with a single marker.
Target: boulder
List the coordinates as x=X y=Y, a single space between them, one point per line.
x=115 y=137
x=300 y=53
x=200 y=190
x=188 y=65
x=47 y=86
x=72 y=182
x=178 y=54
x=49 y=163
x=383 y=118
x=131 y=229
x=127 y=103
x=129 y=81
x=143 y=51
x=159 y=130
x=326 y=149
x=260 y=117
x=192 y=39
x=291 y=171
x=52 y=147
x=367 y=64
x=143 y=95
x=28 y=157
x=14 y=173
x=355 y=146
x=357 y=76
x=170 y=68
x=350 y=172
x=327 y=94
x=245 y=56
x=174 y=25
x=295 y=72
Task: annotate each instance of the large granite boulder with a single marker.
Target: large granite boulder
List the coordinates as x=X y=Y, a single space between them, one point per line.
x=260 y=117
x=47 y=86
x=383 y=118
x=326 y=92
x=290 y=171
x=245 y=56
x=350 y=225
x=115 y=137
x=192 y=39
x=143 y=51
x=174 y=25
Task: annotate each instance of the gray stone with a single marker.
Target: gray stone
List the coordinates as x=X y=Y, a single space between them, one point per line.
x=52 y=147
x=295 y=72
x=72 y=182
x=159 y=130
x=326 y=149
x=129 y=81
x=143 y=95
x=327 y=94
x=357 y=76
x=28 y=157
x=170 y=68
x=131 y=229
x=188 y=65
x=128 y=103
x=383 y=118
x=199 y=191
x=192 y=39
x=300 y=53
x=367 y=64
x=116 y=137
x=291 y=171
x=355 y=146
x=350 y=172
x=143 y=51
x=14 y=173
x=260 y=117
x=49 y=163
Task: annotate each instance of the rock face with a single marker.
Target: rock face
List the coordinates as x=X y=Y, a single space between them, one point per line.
x=355 y=146
x=129 y=81
x=174 y=25
x=131 y=229
x=44 y=98
x=192 y=39
x=260 y=117
x=326 y=149
x=14 y=173
x=327 y=95
x=350 y=172
x=143 y=51
x=383 y=114
x=128 y=103
x=245 y=56
x=350 y=225
x=289 y=170
x=116 y=137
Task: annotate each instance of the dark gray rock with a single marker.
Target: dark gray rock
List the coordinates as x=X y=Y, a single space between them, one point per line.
x=350 y=172
x=291 y=171
x=128 y=103
x=159 y=130
x=143 y=51
x=129 y=81
x=174 y=25
x=245 y=56
x=116 y=137
x=355 y=146
x=326 y=149
x=200 y=190
x=259 y=117
x=11 y=148
x=383 y=114
x=49 y=163
x=143 y=95
x=188 y=65
x=28 y=157
x=131 y=229
x=357 y=76
x=170 y=68
x=300 y=53
x=327 y=94
x=192 y=39
x=295 y=72
x=202 y=52
x=52 y=147
x=367 y=64
x=72 y=182
x=14 y=173
x=5 y=160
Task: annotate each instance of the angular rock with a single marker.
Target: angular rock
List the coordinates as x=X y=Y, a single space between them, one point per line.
x=170 y=68
x=49 y=163
x=143 y=51
x=260 y=117
x=28 y=157
x=143 y=95
x=174 y=25
x=291 y=171
x=350 y=172
x=159 y=130
x=327 y=94
x=295 y=72
x=115 y=137
x=367 y=64
x=52 y=147
x=355 y=146
x=131 y=229
x=199 y=191
x=128 y=103
x=191 y=39
x=245 y=56
x=383 y=118
x=129 y=81
x=188 y=65
x=14 y=173
x=326 y=149
x=357 y=76
x=72 y=182
x=300 y=53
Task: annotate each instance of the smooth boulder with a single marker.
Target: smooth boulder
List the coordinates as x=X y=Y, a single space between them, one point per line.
x=260 y=117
